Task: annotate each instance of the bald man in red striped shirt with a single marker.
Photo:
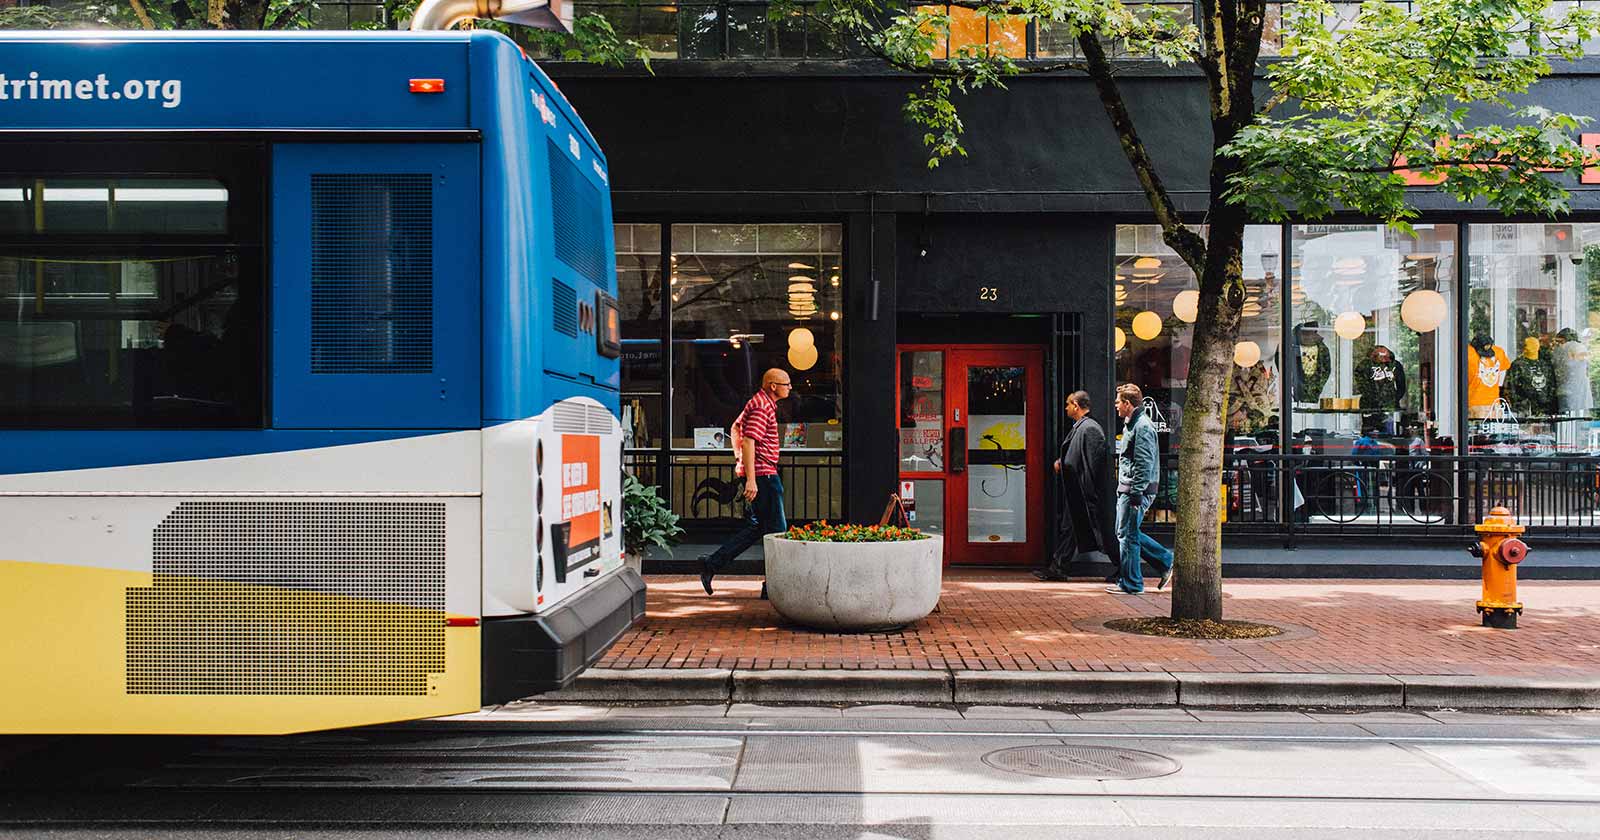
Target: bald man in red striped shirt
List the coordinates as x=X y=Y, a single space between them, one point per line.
x=763 y=490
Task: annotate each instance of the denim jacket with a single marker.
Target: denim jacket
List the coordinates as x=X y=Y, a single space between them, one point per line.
x=1137 y=458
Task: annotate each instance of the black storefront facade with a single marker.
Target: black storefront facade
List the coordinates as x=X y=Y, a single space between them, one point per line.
x=782 y=214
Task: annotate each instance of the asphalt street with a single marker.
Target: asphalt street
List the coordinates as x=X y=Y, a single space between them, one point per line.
x=919 y=773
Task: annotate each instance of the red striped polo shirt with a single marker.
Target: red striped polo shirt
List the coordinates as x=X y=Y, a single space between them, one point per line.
x=761 y=426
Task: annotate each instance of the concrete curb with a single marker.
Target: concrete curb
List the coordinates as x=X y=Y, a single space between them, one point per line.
x=1065 y=688
x=1079 y=688
x=1249 y=689
x=647 y=684
x=795 y=686
x=1500 y=692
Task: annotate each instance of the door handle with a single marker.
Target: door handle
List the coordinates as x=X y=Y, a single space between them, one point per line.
x=958 y=449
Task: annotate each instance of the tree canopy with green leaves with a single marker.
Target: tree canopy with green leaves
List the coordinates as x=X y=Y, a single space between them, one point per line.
x=171 y=14
x=1346 y=118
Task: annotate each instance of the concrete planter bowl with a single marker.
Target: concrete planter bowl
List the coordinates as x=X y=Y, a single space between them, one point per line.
x=854 y=587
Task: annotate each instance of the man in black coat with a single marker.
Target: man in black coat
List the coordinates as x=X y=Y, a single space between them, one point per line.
x=1082 y=466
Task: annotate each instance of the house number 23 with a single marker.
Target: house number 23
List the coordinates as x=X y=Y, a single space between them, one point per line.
x=988 y=293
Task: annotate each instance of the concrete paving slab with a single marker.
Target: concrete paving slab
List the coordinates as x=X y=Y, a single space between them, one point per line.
x=1553 y=770
x=1263 y=689
x=891 y=764
x=854 y=724
x=1065 y=688
x=757 y=710
x=685 y=710
x=880 y=686
x=1253 y=768
x=647 y=684
x=1499 y=817
x=540 y=711
x=1102 y=727
x=1574 y=817
x=890 y=710
x=627 y=724
x=1500 y=692
x=892 y=810
x=1250 y=716
x=1372 y=717
x=1503 y=718
x=1003 y=724
x=1475 y=730
x=1241 y=729
x=1011 y=713
x=1138 y=714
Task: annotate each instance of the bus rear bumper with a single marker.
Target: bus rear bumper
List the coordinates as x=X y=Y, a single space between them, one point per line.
x=526 y=655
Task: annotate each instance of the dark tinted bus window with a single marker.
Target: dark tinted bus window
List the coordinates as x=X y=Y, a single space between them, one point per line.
x=130 y=341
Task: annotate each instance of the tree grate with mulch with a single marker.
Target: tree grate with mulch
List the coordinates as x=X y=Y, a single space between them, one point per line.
x=1194 y=628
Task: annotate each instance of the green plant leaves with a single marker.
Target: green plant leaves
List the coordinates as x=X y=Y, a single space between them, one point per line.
x=646 y=519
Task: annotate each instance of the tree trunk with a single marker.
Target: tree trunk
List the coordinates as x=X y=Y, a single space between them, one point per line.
x=1198 y=549
x=1231 y=39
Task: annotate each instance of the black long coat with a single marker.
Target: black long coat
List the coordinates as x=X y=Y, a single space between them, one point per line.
x=1083 y=465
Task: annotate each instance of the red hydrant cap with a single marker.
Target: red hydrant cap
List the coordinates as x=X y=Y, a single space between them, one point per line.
x=1513 y=551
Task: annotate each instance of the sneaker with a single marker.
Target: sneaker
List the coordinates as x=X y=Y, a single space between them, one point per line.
x=1044 y=575
x=1166 y=578
x=1119 y=590
x=706 y=574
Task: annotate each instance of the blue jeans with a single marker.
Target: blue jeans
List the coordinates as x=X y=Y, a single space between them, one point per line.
x=763 y=516
x=1132 y=542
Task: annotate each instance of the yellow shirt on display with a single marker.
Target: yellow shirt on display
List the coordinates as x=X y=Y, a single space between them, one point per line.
x=1484 y=375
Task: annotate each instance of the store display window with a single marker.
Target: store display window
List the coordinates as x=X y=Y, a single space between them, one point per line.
x=1533 y=313
x=1371 y=353
x=1157 y=300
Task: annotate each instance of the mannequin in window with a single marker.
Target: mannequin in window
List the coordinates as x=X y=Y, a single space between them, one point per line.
x=1313 y=363
x=1252 y=399
x=1572 y=372
x=1531 y=383
x=1487 y=365
x=1380 y=381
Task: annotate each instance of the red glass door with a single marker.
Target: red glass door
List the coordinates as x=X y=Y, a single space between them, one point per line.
x=972 y=449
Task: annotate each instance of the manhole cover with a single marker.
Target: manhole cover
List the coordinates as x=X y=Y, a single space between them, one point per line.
x=1075 y=762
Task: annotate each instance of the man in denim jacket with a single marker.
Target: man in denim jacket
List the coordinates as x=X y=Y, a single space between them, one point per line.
x=1138 y=475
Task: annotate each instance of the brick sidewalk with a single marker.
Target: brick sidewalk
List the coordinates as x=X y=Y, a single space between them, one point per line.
x=1009 y=621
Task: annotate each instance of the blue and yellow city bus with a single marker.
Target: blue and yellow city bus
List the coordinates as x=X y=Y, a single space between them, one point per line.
x=308 y=382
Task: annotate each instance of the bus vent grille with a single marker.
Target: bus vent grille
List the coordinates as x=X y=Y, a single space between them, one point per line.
x=580 y=419
x=371 y=273
x=291 y=598
x=599 y=420
x=569 y=419
x=564 y=306
x=579 y=218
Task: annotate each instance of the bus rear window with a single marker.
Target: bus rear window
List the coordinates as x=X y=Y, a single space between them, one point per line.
x=112 y=205
x=118 y=340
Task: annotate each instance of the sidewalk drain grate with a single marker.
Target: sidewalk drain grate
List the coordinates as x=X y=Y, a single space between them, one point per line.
x=1076 y=762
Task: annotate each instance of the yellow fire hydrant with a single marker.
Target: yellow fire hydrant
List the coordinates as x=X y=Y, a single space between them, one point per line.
x=1501 y=551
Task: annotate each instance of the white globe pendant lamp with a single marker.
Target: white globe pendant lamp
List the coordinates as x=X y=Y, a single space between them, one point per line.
x=1349 y=326
x=802 y=358
x=1424 y=310
x=1187 y=305
x=1246 y=353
